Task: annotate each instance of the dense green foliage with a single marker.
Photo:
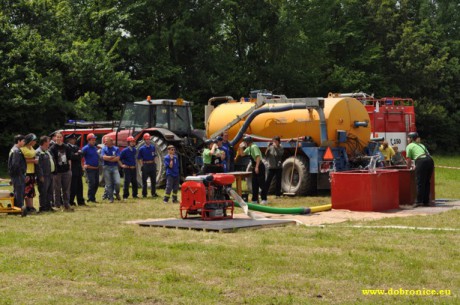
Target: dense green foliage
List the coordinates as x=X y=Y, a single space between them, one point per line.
x=62 y=59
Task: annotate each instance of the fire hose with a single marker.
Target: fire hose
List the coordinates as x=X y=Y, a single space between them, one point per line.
x=273 y=210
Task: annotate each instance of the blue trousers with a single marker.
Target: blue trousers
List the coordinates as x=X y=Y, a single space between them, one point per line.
x=112 y=180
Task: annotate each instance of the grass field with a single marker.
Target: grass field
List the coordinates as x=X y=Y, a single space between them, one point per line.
x=93 y=257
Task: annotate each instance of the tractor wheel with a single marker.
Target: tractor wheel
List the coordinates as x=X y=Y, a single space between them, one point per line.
x=302 y=183
x=161 y=151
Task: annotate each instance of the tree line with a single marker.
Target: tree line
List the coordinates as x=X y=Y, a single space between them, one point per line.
x=82 y=59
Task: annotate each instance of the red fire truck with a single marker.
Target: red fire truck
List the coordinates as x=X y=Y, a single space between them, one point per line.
x=392 y=118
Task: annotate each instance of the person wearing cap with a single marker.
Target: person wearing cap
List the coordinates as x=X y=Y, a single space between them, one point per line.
x=149 y=168
x=17 y=168
x=249 y=148
x=128 y=163
x=171 y=162
x=424 y=167
x=45 y=169
x=76 y=185
x=212 y=157
x=111 y=155
x=224 y=150
x=91 y=165
x=63 y=176
x=274 y=155
x=28 y=151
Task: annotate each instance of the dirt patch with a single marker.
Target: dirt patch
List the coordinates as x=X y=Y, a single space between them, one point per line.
x=337 y=216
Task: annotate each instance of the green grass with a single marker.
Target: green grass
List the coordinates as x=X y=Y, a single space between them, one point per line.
x=93 y=257
x=447 y=180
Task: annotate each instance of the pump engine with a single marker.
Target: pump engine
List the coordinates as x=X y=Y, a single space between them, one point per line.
x=206 y=196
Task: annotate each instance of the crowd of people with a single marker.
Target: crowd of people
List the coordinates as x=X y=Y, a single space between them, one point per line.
x=55 y=167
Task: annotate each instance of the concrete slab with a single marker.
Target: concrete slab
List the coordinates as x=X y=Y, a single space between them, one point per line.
x=223 y=226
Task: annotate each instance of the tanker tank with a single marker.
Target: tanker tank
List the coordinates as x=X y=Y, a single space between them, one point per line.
x=340 y=113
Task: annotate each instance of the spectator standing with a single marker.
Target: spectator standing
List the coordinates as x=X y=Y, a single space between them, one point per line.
x=229 y=153
x=274 y=154
x=29 y=153
x=149 y=167
x=424 y=167
x=128 y=163
x=111 y=155
x=45 y=169
x=17 y=168
x=91 y=166
x=248 y=148
x=223 y=162
x=171 y=163
x=76 y=185
x=63 y=177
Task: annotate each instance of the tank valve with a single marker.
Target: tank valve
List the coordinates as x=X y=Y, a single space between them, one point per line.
x=357 y=124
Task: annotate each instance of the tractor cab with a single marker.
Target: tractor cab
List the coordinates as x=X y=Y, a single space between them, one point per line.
x=172 y=115
x=169 y=122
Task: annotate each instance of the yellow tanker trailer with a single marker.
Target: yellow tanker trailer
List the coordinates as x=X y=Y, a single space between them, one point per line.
x=314 y=124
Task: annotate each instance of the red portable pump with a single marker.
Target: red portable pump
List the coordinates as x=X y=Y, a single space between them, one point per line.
x=206 y=195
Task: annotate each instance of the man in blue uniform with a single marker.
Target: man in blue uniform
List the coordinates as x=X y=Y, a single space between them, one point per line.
x=111 y=155
x=128 y=163
x=229 y=153
x=91 y=156
x=171 y=163
x=224 y=148
x=149 y=167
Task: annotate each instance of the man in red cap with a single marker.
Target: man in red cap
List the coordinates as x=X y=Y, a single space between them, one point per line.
x=128 y=163
x=149 y=168
x=89 y=152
